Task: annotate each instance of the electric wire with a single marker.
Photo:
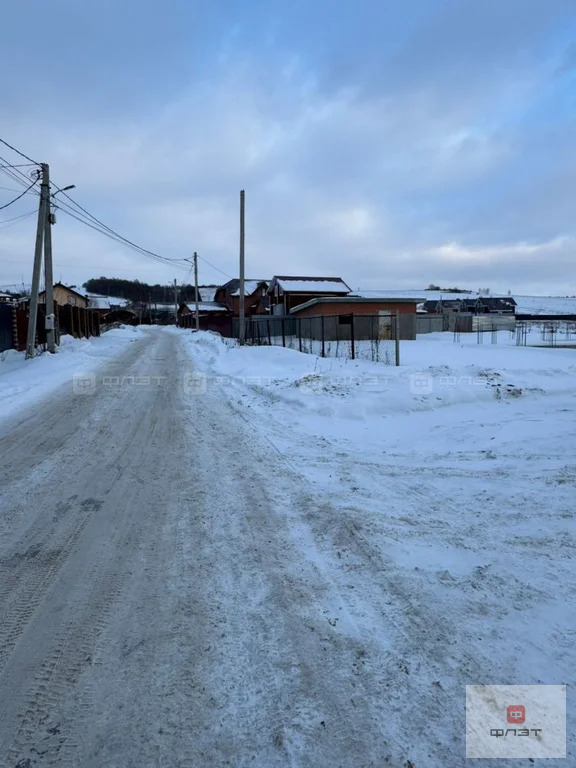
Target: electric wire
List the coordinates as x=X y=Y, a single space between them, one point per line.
x=15 y=218
x=19 y=153
x=19 y=196
x=88 y=219
x=216 y=268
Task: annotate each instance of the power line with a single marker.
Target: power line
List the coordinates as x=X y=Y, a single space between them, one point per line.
x=9 y=189
x=216 y=268
x=21 y=165
x=14 y=173
x=145 y=251
x=123 y=241
x=19 y=153
x=104 y=229
x=15 y=218
x=19 y=196
x=87 y=218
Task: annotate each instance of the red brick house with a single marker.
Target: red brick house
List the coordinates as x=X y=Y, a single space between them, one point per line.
x=338 y=311
x=255 y=296
x=357 y=305
x=287 y=292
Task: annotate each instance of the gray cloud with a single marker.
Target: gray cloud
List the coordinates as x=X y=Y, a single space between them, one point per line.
x=437 y=157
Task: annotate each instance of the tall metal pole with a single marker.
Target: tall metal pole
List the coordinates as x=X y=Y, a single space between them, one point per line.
x=48 y=273
x=197 y=310
x=241 y=313
x=33 y=312
x=175 y=302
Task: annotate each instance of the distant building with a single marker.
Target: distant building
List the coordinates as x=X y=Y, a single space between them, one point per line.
x=64 y=295
x=287 y=291
x=255 y=296
x=495 y=305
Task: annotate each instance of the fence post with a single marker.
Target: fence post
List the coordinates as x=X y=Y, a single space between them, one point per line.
x=283 y=333
x=268 y=329
x=352 y=340
x=397 y=339
x=300 y=334
x=57 y=323
x=14 y=327
x=322 y=327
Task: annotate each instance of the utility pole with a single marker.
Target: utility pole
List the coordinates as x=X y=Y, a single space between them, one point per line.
x=48 y=272
x=40 y=229
x=175 y=302
x=241 y=318
x=196 y=290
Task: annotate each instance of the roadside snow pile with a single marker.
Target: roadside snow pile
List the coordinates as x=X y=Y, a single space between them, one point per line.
x=25 y=382
x=440 y=498
x=436 y=373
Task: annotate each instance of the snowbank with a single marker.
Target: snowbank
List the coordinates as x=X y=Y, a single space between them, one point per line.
x=436 y=372
x=439 y=494
x=25 y=382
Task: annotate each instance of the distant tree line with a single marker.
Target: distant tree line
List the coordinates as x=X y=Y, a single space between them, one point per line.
x=135 y=291
x=433 y=287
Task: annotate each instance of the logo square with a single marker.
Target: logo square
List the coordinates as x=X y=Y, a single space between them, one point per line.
x=421 y=384
x=516 y=713
x=83 y=383
x=534 y=729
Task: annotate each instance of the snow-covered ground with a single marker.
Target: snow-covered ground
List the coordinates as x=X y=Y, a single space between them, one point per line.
x=253 y=556
x=444 y=508
x=26 y=382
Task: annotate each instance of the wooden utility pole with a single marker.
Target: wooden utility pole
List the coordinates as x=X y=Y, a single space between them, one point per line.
x=241 y=313
x=40 y=229
x=197 y=309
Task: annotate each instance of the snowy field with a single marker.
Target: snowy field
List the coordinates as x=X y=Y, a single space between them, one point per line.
x=444 y=508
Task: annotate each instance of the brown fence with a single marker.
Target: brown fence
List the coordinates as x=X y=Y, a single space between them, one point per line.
x=75 y=321
x=222 y=324
x=6 y=327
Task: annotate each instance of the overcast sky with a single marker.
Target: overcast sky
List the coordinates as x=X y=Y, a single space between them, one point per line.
x=391 y=143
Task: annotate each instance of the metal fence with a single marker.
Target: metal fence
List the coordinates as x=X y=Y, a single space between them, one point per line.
x=546 y=333
x=350 y=336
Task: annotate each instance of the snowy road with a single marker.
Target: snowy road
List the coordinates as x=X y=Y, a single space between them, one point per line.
x=160 y=601
x=181 y=587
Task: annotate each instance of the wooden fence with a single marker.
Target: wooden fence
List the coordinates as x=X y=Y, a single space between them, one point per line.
x=75 y=321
